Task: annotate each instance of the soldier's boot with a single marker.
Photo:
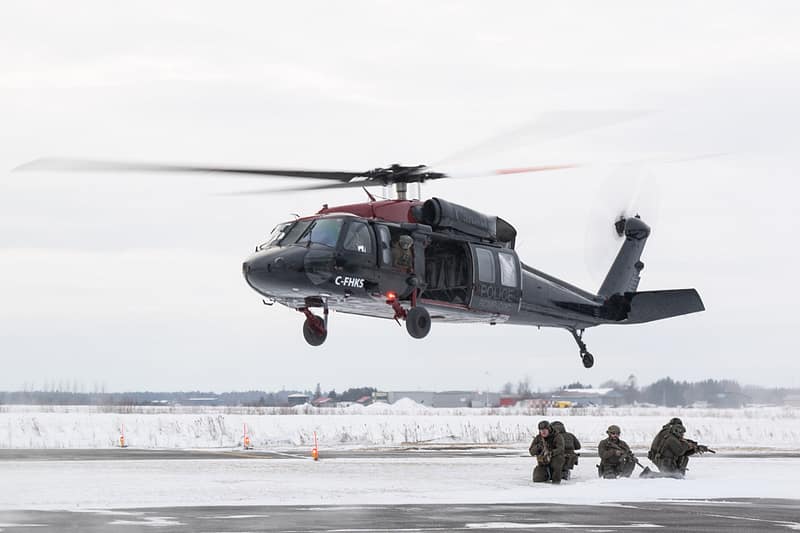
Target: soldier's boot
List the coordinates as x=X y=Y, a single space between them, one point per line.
x=540 y=474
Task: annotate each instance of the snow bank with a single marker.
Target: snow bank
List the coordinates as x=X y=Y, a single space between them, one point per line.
x=377 y=425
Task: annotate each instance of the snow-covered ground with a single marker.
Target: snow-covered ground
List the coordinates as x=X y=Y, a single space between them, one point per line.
x=377 y=425
x=127 y=484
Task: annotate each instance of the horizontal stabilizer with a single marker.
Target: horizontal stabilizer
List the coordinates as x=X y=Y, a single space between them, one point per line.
x=656 y=305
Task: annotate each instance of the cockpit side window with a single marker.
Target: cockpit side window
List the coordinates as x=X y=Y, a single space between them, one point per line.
x=276 y=235
x=324 y=231
x=358 y=238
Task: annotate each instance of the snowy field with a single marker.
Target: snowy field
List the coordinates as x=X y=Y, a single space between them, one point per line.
x=379 y=425
x=74 y=485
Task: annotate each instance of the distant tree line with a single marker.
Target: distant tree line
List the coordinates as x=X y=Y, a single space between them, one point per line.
x=671 y=393
x=255 y=398
x=666 y=392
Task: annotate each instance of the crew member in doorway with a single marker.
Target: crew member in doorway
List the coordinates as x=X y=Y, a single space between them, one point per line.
x=401 y=252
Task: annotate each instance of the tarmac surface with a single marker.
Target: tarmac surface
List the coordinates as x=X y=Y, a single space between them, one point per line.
x=133 y=454
x=729 y=514
x=701 y=516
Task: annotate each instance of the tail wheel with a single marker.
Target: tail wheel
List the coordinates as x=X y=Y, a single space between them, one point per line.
x=418 y=322
x=314 y=330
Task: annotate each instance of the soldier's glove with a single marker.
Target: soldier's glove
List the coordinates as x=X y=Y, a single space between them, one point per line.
x=618 y=452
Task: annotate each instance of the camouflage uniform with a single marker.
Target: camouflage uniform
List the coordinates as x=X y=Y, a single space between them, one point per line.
x=549 y=453
x=401 y=252
x=673 y=451
x=662 y=434
x=616 y=457
x=571 y=443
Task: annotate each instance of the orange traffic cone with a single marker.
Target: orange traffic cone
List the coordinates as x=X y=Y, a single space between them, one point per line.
x=122 y=443
x=246 y=440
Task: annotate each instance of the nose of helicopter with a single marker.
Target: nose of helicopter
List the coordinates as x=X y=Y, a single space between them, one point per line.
x=255 y=270
x=267 y=272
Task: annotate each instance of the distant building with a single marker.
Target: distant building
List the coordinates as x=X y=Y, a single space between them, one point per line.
x=508 y=401
x=792 y=400
x=297 y=399
x=324 y=402
x=364 y=400
x=379 y=396
x=203 y=400
x=730 y=400
x=587 y=397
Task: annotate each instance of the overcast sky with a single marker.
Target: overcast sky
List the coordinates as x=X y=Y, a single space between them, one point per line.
x=135 y=281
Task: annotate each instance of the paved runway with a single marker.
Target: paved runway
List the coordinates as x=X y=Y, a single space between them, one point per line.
x=701 y=516
x=134 y=454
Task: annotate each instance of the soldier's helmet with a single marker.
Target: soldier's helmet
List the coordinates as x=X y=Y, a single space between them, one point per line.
x=405 y=242
x=544 y=424
x=558 y=426
x=678 y=429
x=613 y=429
x=675 y=421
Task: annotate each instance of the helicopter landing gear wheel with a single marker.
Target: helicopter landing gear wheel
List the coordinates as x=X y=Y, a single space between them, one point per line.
x=418 y=322
x=586 y=357
x=315 y=329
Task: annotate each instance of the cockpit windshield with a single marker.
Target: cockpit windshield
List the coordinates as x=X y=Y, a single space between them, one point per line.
x=324 y=231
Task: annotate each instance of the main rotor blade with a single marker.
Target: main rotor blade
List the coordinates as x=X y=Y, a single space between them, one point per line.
x=546 y=127
x=509 y=171
x=378 y=183
x=311 y=187
x=88 y=165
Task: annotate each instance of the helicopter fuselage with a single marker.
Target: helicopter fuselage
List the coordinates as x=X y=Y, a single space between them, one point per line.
x=345 y=258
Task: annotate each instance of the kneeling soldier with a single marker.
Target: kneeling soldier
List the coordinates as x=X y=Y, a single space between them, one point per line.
x=548 y=448
x=571 y=443
x=616 y=457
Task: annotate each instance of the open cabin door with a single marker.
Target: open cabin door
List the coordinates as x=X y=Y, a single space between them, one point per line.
x=497 y=280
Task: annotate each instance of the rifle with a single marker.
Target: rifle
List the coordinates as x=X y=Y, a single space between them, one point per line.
x=699 y=448
x=543 y=454
x=627 y=454
x=645 y=469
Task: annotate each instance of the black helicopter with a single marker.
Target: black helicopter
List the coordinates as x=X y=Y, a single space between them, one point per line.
x=424 y=262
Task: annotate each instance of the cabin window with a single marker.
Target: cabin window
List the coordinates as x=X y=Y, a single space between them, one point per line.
x=485 y=265
x=508 y=269
x=358 y=238
x=385 y=244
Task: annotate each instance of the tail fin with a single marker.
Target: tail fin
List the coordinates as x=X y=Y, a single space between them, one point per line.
x=624 y=274
x=640 y=307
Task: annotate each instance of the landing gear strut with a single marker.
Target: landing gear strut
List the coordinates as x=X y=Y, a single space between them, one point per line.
x=586 y=357
x=418 y=320
x=315 y=328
